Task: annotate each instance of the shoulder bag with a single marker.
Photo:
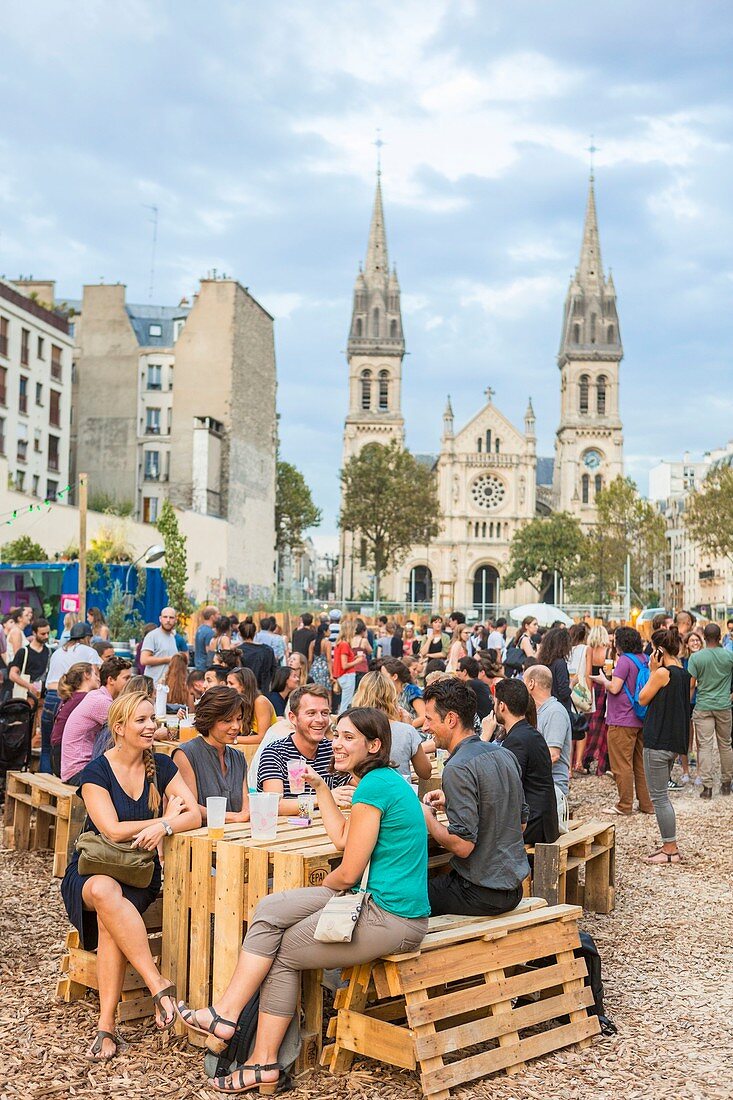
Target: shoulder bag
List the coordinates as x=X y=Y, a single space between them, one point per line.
x=18 y=691
x=120 y=861
x=338 y=917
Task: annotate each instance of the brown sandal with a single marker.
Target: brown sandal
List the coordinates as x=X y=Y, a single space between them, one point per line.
x=95 y=1051
x=169 y=991
x=669 y=857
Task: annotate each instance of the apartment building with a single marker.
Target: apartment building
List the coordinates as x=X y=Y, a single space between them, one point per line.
x=35 y=389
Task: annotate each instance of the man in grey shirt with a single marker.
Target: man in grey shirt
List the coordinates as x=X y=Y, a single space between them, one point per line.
x=553 y=722
x=159 y=646
x=483 y=799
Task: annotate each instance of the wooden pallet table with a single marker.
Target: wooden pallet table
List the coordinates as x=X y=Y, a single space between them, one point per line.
x=169 y=747
x=590 y=845
x=468 y=1003
x=42 y=812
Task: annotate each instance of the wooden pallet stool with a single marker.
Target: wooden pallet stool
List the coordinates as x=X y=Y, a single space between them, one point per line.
x=42 y=812
x=473 y=998
x=78 y=971
x=589 y=845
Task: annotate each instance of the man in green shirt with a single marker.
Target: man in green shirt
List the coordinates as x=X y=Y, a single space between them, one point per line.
x=711 y=670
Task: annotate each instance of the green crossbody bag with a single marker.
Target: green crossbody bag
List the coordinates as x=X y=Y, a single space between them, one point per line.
x=128 y=865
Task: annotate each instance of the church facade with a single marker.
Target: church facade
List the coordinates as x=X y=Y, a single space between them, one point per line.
x=490 y=480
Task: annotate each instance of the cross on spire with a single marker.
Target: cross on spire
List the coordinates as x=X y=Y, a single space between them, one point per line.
x=489 y=393
x=379 y=144
x=592 y=149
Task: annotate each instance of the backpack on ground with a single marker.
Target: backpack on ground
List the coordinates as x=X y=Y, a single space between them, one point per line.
x=242 y=1042
x=589 y=952
x=642 y=678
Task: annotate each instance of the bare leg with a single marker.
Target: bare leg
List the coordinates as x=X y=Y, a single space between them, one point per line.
x=127 y=929
x=111 y=965
x=270 y=1034
x=249 y=974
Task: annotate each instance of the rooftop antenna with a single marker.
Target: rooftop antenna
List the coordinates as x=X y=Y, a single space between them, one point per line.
x=154 y=220
x=592 y=150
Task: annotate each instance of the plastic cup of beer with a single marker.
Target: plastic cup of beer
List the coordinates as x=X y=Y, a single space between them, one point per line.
x=186 y=729
x=608 y=666
x=441 y=755
x=216 y=808
x=296 y=775
x=263 y=808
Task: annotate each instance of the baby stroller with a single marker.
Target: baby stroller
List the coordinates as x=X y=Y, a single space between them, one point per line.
x=16 y=732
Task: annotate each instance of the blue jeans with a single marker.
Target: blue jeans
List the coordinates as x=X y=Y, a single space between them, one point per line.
x=51 y=704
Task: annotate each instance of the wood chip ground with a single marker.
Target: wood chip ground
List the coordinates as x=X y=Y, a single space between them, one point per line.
x=667 y=955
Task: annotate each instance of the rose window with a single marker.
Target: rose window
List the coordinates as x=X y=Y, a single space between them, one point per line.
x=488 y=491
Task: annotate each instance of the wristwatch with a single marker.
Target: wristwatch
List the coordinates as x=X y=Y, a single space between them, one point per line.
x=166 y=826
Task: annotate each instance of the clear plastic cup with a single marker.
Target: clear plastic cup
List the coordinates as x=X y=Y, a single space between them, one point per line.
x=187 y=730
x=306 y=806
x=216 y=808
x=296 y=775
x=263 y=808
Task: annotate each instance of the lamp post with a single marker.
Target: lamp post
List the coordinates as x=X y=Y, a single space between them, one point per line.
x=153 y=553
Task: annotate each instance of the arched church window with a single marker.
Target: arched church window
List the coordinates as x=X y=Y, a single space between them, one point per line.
x=576 y=334
x=358 y=327
x=375 y=322
x=491 y=530
x=599 y=484
x=497 y=445
x=585 y=488
x=479 y=443
x=383 y=390
x=610 y=335
x=483 y=530
x=366 y=389
x=584 y=386
x=601 y=395
x=592 y=328
x=393 y=329
x=476 y=529
x=488 y=441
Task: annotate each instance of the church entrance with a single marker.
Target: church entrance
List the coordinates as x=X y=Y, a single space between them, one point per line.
x=420 y=586
x=485 y=590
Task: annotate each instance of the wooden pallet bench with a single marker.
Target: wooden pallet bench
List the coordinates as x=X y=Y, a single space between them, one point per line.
x=471 y=1001
x=42 y=812
x=588 y=845
x=78 y=970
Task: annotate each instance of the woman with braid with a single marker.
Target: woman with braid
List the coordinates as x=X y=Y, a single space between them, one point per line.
x=130 y=794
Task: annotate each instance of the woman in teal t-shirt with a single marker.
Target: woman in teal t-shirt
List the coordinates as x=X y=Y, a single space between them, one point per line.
x=385 y=829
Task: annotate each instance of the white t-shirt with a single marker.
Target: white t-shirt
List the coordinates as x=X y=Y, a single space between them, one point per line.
x=62 y=660
x=496 y=641
x=405 y=743
x=161 y=643
x=576 y=660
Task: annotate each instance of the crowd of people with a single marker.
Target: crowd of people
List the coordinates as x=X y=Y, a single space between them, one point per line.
x=514 y=718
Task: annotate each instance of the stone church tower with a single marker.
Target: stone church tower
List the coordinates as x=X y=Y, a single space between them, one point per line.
x=589 y=443
x=375 y=351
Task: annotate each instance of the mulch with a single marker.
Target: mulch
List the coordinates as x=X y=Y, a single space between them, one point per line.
x=667 y=954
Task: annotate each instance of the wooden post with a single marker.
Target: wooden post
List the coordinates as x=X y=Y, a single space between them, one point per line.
x=82 y=547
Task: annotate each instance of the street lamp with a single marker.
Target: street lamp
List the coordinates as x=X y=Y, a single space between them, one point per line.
x=153 y=553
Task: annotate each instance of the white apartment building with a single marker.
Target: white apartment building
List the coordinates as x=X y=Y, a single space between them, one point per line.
x=35 y=389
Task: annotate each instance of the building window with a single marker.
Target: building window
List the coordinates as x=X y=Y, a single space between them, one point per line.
x=585 y=483
x=479 y=444
x=3 y=385
x=36 y=483
x=152 y=465
x=358 y=328
x=155 y=330
x=610 y=336
x=52 y=488
x=40 y=348
x=592 y=328
x=420 y=585
x=584 y=387
x=178 y=327
x=23 y=395
x=576 y=334
x=383 y=390
x=375 y=322
x=53 y=452
x=22 y=452
x=483 y=530
x=393 y=329
x=56 y=362
x=601 y=395
x=152 y=421
x=54 y=408
x=155 y=376
x=599 y=484
x=497 y=446
x=25 y=344
x=150 y=509
x=366 y=390
x=37 y=440
x=39 y=393
x=2 y=435
x=20 y=480
x=4 y=336
x=488 y=441
x=476 y=529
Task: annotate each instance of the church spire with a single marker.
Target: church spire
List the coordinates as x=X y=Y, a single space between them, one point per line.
x=376 y=319
x=377 y=262
x=590 y=268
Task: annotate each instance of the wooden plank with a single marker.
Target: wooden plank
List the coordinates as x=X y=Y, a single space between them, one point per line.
x=312 y=1008
x=229 y=913
x=174 y=960
x=506 y=1033
x=137 y=1007
x=375 y=1038
x=488 y=928
x=599 y=894
x=492 y=1027
x=67 y=832
x=479 y=996
x=546 y=872
x=199 y=970
x=258 y=863
x=434 y=1082
x=575 y=986
x=454 y=920
x=429 y=1065
x=587 y=831
x=287 y=871
x=355 y=999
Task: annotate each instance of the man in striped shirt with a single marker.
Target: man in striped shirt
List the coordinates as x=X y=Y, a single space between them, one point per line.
x=310 y=714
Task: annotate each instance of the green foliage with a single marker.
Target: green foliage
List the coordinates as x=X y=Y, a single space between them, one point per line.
x=119 y=627
x=105 y=502
x=110 y=546
x=545 y=544
x=295 y=511
x=23 y=549
x=175 y=570
x=708 y=513
x=391 y=501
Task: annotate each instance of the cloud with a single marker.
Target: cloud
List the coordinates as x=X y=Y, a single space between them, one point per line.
x=514 y=299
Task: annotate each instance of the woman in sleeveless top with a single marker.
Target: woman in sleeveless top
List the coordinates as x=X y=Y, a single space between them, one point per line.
x=210 y=766
x=666 y=730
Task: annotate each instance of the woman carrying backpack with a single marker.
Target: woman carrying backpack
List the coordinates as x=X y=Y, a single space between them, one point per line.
x=625 y=718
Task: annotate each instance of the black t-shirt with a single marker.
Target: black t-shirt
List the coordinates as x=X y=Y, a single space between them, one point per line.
x=302 y=639
x=36 y=663
x=530 y=749
x=484 y=698
x=262 y=661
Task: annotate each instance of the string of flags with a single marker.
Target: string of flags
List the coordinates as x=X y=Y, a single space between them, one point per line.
x=20 y=513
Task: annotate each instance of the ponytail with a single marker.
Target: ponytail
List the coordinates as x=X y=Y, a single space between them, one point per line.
x=151 y=774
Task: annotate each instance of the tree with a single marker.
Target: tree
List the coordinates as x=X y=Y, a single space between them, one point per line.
x=21 y=550
x=295 y=511
x=708 y=514
x=175 y=570
x=391 y=501
x=545 y=544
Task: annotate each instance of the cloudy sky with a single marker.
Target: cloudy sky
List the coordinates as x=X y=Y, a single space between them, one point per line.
x=250 y=127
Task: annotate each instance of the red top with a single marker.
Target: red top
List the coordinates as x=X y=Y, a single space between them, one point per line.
x=342 y=652
x=62 y=716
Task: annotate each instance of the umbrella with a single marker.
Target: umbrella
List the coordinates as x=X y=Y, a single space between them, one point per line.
x=545 y=614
